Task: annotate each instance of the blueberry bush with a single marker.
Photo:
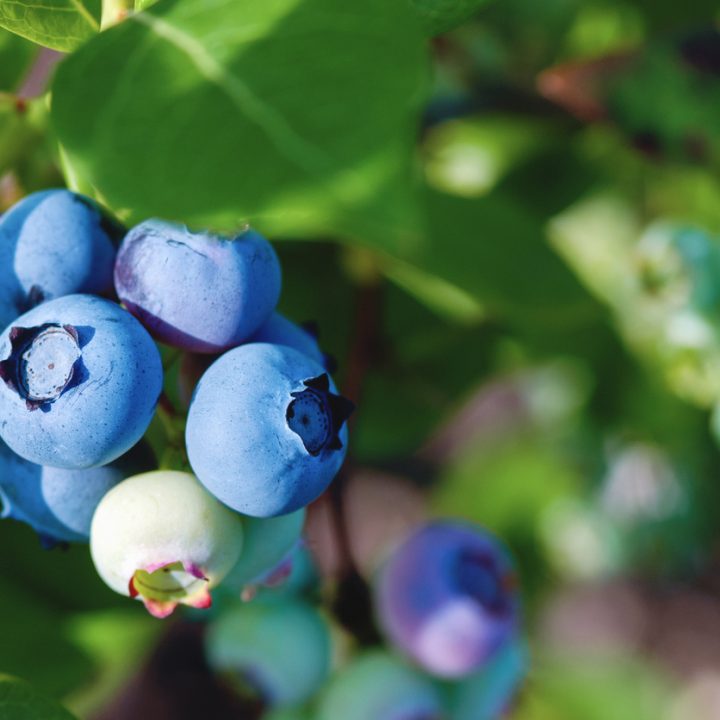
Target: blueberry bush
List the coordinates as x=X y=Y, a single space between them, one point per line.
x=359 y=360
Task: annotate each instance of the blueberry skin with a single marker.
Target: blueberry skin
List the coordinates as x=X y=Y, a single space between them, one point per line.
x=57 y=503
x=240 y=442
x=281 y=649
x=53 y=243
x=379 y=686
x=447 y=597
x=111 y=378
x=197 y=291
x=279 y=330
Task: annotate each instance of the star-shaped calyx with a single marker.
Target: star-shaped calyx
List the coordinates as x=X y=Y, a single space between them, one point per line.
x=316 y=414
x=163 y=586
x=42 y=363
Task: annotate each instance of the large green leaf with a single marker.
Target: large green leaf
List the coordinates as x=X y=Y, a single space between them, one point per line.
x=58 y=24
x=34 y=643
x=297 y=115
x=492 y=250
x=20 y=701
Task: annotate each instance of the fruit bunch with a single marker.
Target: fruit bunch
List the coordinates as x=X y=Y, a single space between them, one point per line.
x=90 y=312
x=81 y=378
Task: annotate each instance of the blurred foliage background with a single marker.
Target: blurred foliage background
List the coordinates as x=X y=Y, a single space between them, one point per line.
x=546 y=362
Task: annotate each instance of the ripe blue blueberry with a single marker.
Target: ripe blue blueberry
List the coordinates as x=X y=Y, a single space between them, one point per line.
x=278 y=649
x=57 y=503
x=197 y=291
x=267 y=544
x=266 y=429
x=448 y=598
x=379 y=686
x=279 y=330
x=488 y=693
x=53 y=243
x=162 y=538
x=79 y=380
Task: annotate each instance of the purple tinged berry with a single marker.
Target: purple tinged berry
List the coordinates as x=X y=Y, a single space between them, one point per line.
x=197 y=291
x=447 y=597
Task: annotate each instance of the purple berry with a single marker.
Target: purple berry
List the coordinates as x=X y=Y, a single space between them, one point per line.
x=197 y=291
x=448 y=597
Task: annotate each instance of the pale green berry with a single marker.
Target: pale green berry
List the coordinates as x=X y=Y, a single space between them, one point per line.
x=163 y=538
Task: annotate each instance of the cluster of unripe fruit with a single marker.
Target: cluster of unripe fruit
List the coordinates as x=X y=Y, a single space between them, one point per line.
x=83 y=304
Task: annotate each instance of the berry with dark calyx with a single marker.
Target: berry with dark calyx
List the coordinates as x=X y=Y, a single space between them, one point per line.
x=379 y=686
x=162 y=538
x=266 y=431
x=79 y=381
x=279 y=650
x=448 y=597
x=58 y=503
x=197 y=291
x=54 y=243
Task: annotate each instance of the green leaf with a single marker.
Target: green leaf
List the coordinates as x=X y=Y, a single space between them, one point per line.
x=59 y=24
x=20 y=701
x=438 y=16
x=16 y=54
x=34 y=644
x=492 y=251
x=297 y=115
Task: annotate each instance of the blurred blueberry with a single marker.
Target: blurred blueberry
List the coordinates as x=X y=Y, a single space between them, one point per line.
x=280 y=650
x=448 y=597
x=488 y=693
x=379 y=686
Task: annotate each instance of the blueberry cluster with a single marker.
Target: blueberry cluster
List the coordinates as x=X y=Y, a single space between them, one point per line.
x=265 y=433
x=82 y=374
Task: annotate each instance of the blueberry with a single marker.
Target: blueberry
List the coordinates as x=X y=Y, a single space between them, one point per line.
x=267 y=544
x=79 y=380
x=379 y=686
x=53 y=243
x=279 y=650
x=160 y=537
x=57 y=503
x=266 y=430
x=197 y=291
x=448 y=598
x=278 y=330
x=488 y=693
